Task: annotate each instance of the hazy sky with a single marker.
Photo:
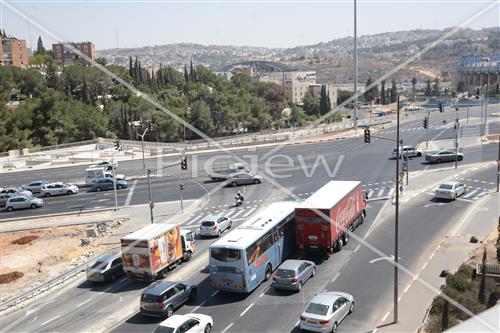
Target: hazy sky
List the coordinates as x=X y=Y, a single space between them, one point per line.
x=256 y=23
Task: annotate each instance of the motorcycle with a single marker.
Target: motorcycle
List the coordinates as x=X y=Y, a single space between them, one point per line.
x=239 y=201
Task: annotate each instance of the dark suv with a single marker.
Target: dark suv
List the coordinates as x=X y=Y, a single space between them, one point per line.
x=162 y=298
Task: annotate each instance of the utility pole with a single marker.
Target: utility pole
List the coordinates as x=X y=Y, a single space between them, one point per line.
x=467 y=112
x=498 y=164
x=114 y=180
x=181 y=188
x=355 y=71
x=428 y=125
x=486 y=105
x=396 y=223
x=457 y=125
x=151 y=204
x=142 y=139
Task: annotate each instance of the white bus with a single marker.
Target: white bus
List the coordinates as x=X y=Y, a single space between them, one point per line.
x=242 y=260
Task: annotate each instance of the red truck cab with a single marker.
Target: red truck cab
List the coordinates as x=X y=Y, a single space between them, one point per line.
x=324 y=219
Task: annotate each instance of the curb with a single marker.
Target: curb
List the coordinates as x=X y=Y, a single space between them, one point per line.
x=56 y=215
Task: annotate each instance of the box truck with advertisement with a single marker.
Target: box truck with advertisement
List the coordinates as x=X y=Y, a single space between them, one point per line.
x=323 y=219
x=149 y=253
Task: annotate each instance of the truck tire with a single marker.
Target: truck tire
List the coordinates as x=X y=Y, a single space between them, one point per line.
x=345 y=239
x=339 y=244
x=187 y=256
x=269 y=270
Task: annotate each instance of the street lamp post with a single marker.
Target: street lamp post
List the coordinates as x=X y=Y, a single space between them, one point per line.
x=142 y=139
x=396 y=223
x=151 y=204
x=355 y=71
x=457 y=125
x=428 y=125
x=114 y=180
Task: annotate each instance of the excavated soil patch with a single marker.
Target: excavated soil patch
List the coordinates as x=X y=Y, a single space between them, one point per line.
x=24 y=240
x=10 y=277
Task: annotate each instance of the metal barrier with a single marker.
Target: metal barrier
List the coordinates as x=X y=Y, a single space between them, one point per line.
x=54 y=282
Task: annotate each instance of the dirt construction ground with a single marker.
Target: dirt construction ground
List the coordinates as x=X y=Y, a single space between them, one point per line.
x=30 y=258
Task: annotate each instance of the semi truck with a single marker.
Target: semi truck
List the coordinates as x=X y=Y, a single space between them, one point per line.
x=324 y=219
x=149 y=253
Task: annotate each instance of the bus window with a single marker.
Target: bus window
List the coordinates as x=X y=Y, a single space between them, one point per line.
x=226 y=255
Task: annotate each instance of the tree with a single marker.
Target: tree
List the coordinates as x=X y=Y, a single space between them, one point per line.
x=445 y=316
x=343 y=95
x=413 y=86
x=201 y=117
x=40 y=49
x=482 y=285
x=428 y=90
x=370 y=93
x=324 y=101
x=311 y=105
x=435 y=89
x=101 y=61
x=382 y=92
x=461 y=86
x=186 y=74
x=394 y=92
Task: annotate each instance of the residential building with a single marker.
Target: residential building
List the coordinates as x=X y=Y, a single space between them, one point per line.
x=13 y=52
x=66 y=55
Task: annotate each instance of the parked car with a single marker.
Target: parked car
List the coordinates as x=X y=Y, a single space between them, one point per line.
x=21 y=202
x=408 y=151
x=117 y=176
x=58 y=189
x=36 y=186
x=450 y=190
x=243 y=178
x=4 y=197
x=192 y=323
x=104 y=184
x=162 y=298
x=106 y=268
x=215 y=225
x=16 y=191
x=443 y=155
x=107 y=165
x=326 y=311
x=292 y=274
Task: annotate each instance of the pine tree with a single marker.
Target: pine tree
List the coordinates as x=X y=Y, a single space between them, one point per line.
x=323 y=107
x=414 y=86
x=130 y=67
x=136 y=71
x=394 y=92
x=139 y=72
x=39 y=48
x=192 y=73
x=382 y=92
x=186 y=75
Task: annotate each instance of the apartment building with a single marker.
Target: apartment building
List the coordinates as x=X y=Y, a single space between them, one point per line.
x=13 y=52
x=66 y=55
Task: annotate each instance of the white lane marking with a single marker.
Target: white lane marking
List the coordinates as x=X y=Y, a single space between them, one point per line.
x=431 y=256
x=357 y=248
x=386 y=315
x=84 y=302
x=425 y=265
x=380 y=192
x=335 y=277
x=197 y=219
x=297 y=323
x=391 y=191
x=51 y=319
x=370 y=193
x=245 y=311
x=337 y=166
x=407 y=288
x=196 y=308
x=229 y=213
x=375 y=183
x=265 y=291
x=131 y=192
x=214 y=293
x=469 y=194
x=250 y=211
x=238 y=213
x=227 y=328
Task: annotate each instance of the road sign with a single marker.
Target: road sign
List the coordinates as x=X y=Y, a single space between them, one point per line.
x=401 y=189
x=401 y=174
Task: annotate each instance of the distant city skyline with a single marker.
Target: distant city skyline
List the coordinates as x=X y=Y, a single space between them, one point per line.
x=127 y=24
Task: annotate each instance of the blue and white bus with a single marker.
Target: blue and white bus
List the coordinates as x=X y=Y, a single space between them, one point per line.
x=243 y=259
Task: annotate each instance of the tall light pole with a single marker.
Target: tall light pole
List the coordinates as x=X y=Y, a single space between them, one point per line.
x=355 y=71
x=151 y=204
x=457 y=125
x=142 y=139
x=396 y=221
x=114 y=180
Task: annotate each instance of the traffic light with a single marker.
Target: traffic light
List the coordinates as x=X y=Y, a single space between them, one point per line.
x=477 y=93
x=181 y=186
x=117 y=144
x=367 y=136
x=425 y=122
x=440 y=107
x=184 y=164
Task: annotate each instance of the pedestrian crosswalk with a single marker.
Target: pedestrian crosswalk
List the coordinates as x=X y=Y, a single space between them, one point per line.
x=235 y=214
x=410 y=129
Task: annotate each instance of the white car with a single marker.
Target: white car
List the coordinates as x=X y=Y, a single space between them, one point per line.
x=450 y=190
x=22 y=202
x=326 y=311
x=192 y=323
x=107 y=165
x=58 y=189
x=117 y=176
x=408 y=151
x=215 y=225
x=16 y=191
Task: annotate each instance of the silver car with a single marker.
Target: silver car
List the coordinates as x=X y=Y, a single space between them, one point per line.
x=58 y=189
x=36 y=186
x=21 y=202
x=243 y=178
x=16 y=191
x=450 y=190
x=292 y=274
x=443 y=155
x=326 y=311
x=215 y=225
x=106 y=268
x=408 y=151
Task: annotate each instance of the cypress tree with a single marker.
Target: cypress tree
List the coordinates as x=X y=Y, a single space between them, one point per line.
x=191 y=71
x=382 y=92
x=428 y=90
x=136 y=71
x=130 y=67
x=394 y=92
x=139 y=71
x=482 y=285
x=186 y=75
x=39 y=47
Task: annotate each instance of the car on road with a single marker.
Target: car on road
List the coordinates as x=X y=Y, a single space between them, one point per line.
x=408 y=151
x=117 y=176
x=443 y=155
x=36 y=186
x=243 y=178
x=326 y=311
x=16 y=191
x=162 y=298
x=22 y=202
x=215 y=225
x=107 y=165
x=106 y=268
x=58 y=189
x=105 y=184
x=192 y=323
x=292 y=274
x=450 y=190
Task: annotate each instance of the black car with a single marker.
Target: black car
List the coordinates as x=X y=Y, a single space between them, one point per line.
x=106 y=268
x=162 y=298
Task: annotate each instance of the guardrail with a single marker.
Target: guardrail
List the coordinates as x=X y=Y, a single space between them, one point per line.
x=54 y=282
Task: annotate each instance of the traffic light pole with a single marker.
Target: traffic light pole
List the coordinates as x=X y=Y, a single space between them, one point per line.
x=181 y=188
x=457 y=125
x=151 y=204
x=428 y=125
x=142 y=139
x=114 y=181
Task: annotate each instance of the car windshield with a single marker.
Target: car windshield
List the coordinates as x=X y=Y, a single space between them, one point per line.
x=317 y=309
x=164 y=329
x=446 y=186
x=208 y=223
x=100 y=265
x=226 y=255
x=285 y=273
